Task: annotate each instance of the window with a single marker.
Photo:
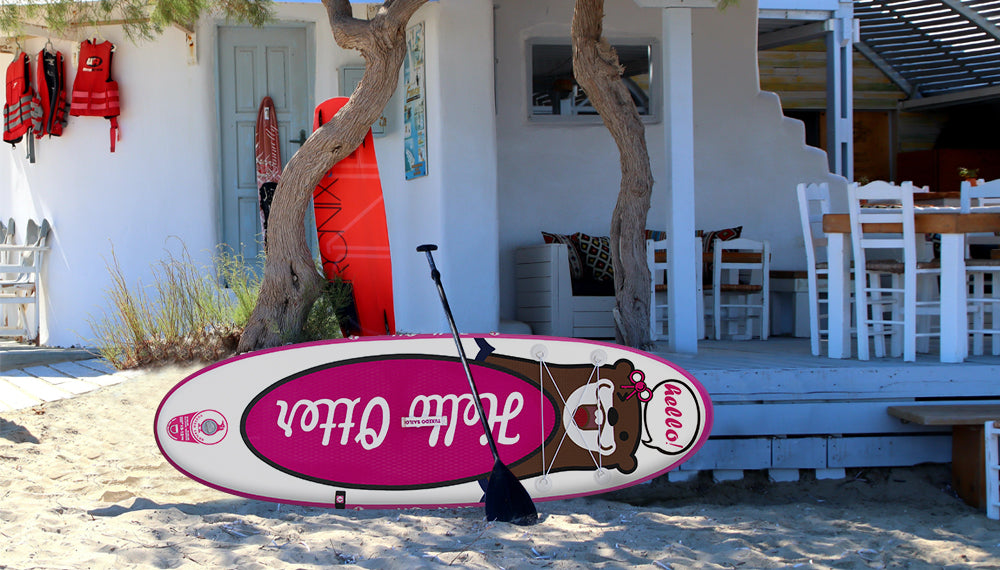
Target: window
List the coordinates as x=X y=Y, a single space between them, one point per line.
x=556 y=97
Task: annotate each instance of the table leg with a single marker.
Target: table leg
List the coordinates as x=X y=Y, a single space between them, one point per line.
x=954 y=319
x=968 y=464
x=839 y=297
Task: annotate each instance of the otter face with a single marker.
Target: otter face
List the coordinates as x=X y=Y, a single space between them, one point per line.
x=589 y=417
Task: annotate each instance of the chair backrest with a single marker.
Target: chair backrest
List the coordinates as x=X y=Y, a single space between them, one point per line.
x=740 y=254
x=984 y=193
x=814 y=202
x=34 y=236
x=885 y=203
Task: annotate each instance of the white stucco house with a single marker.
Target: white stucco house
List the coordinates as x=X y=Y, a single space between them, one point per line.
x=500 y=167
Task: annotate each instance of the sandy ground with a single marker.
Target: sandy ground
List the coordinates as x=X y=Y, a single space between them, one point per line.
x=82 y=485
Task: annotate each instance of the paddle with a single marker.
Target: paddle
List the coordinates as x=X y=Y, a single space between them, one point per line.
x=506 y=498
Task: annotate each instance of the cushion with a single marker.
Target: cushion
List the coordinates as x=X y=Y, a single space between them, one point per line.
x=656 y=235
x=575 y=264
x=596 y=252
x=726 y=234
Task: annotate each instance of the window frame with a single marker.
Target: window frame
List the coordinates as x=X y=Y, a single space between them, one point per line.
x=655 y=84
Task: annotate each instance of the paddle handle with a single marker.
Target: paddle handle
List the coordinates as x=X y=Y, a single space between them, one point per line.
x=436 y=276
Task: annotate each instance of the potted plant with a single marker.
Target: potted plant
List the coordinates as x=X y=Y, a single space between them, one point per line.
x=970 y=174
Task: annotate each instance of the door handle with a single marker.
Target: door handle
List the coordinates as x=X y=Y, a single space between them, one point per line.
x=302 y=138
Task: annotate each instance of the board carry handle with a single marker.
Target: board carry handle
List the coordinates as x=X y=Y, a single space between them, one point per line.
x=506 y=498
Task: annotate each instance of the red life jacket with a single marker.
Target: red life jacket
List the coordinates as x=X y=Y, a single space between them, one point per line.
x=51 y=94
x=19 y=111
x=95 y=94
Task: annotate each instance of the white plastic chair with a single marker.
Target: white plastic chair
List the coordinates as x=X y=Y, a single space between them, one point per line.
x=983 y=274
x=895 y=305
x=741 y=287
x=21 y=280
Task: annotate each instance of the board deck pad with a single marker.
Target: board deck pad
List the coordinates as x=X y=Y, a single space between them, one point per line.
x=352 y=232
x=267 y=149
x=390 y=421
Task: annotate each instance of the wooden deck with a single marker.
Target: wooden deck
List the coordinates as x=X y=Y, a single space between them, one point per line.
x=777 y=407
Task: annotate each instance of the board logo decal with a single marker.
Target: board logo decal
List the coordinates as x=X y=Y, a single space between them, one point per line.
x=331 y=424
x=207 y=427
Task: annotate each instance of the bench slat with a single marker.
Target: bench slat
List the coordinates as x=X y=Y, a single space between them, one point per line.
x=947 y=415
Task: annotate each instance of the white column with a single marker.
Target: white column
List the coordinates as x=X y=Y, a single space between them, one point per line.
x=840 y=94
x=678 y=121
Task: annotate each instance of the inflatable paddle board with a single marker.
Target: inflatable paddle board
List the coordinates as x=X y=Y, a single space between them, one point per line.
x=267 y=147
x=389 y=422
x=352 y=232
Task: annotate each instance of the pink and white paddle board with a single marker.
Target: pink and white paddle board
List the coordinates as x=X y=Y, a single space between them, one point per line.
x=390 y=422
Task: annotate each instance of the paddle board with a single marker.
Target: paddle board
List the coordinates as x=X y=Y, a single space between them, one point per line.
x=390 y=422
x=352 y=232
x=267 y=147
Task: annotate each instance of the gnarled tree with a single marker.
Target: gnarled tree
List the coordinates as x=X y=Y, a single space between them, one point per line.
x=291 y=282
x=597 y=70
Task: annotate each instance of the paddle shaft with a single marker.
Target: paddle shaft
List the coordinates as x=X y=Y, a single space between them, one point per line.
x=436 y=276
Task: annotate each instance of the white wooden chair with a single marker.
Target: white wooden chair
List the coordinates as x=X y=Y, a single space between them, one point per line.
x=20 y=285
x=895 y=305
x=741 y=287
x=983 y=274
x=814 y=202
x=656 y=259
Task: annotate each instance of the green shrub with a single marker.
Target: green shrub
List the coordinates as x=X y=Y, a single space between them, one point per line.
x=191 y=313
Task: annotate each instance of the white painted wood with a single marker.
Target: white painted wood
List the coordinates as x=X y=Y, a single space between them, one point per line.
x=731 y=306
x=839 y=96
x=678 y=100
x=814 y=202
x=954 y=320
x=884 y=451
x=901 y=300
x=731 y=454
x=991 y=434
x=798 y=452
x=838 y=297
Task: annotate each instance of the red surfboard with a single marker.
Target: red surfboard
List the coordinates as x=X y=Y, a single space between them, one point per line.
x=267 y=148
x=390 y=421
x=352 y=232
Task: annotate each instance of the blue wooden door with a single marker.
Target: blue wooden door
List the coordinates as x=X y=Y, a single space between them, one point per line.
x=254 y=63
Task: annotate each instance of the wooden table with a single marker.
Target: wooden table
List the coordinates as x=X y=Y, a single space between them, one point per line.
x=952 y=226
x=968 y=442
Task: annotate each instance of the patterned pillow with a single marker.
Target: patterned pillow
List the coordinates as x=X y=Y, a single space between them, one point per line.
x=575 y=264
x=708 y=238
x=656 y=235
x=596 y=253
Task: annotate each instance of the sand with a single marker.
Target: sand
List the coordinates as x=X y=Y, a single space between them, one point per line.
x=82 y=485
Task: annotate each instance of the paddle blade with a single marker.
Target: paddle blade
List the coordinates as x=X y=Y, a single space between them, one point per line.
x=507 y=500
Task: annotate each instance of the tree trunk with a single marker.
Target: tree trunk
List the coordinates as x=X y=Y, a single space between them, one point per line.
x=597 y=70
x=291 y=282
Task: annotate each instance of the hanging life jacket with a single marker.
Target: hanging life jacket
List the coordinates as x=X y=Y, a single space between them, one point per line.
x=51 y=94
x=20 y=113
x=95 y=94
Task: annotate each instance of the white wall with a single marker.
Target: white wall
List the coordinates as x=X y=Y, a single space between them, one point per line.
x=158 y=183
x=162 y=181
x=748 y=157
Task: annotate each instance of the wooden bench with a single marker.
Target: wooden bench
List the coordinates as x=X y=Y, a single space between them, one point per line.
x=968 y=450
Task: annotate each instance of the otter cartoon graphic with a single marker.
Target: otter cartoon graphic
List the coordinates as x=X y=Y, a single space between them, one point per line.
x=604 y=417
